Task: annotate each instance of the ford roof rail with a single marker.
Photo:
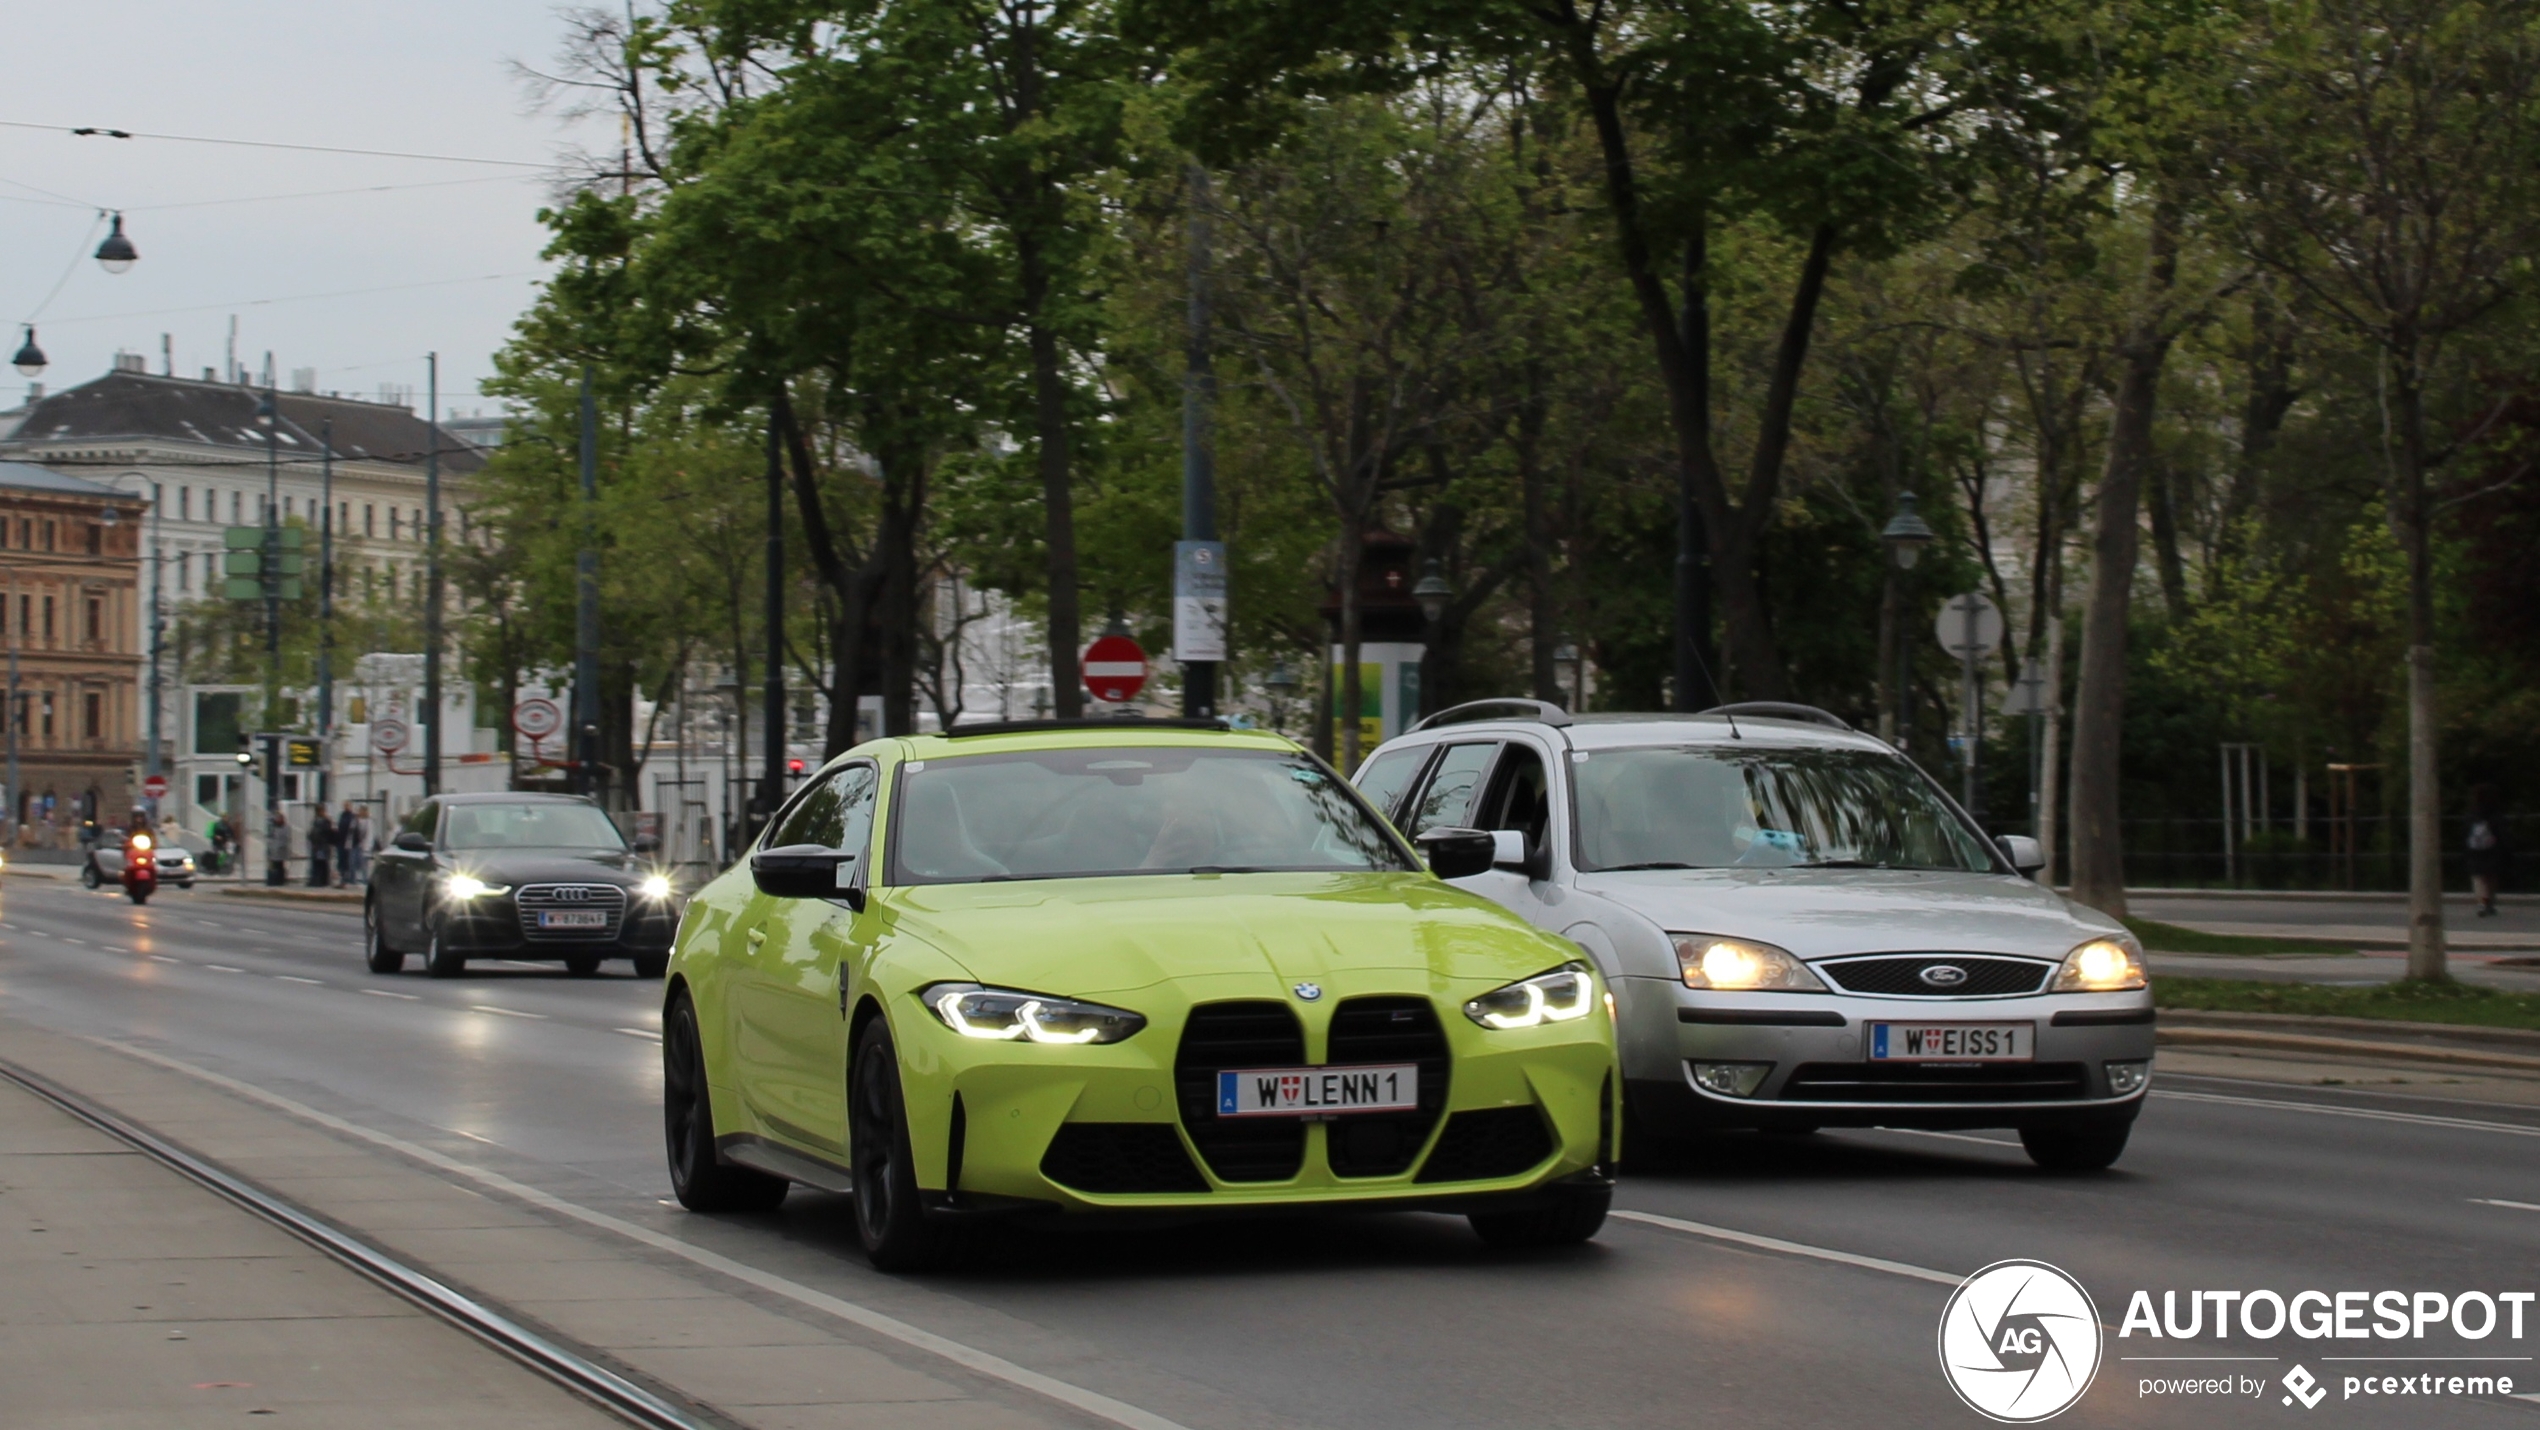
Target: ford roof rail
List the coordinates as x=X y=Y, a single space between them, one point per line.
x=1541 y=712
x=1091 y=722
x=1780 y=710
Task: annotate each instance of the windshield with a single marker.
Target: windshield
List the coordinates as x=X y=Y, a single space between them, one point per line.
x=1712 y=808
x=528 y=826
x=1049 y=814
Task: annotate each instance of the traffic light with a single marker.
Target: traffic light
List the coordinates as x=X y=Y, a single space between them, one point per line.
x=243 y=562
x=794 y=767
x=300 y=754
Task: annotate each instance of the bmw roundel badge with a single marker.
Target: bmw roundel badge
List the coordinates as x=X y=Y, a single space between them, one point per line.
x=1309 y=992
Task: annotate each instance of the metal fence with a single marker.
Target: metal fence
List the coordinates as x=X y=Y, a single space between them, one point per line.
x=2188 y=853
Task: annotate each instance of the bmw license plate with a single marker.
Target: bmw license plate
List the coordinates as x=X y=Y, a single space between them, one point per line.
x=573 y=919
x=1318 y=1092
x=1953 y=1042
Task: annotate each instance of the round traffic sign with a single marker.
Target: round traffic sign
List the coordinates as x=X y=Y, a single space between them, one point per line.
x=537 y=717
x=1969 y=624
x=1115 y=669
x=388 y=736
x=156 y=786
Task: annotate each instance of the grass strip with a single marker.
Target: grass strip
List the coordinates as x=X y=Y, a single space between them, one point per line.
x=2170 y=938
x=2411 y=1002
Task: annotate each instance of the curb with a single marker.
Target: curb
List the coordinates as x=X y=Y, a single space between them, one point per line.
x=32 y=871
x=2344 y=1048
x=2522 y=1040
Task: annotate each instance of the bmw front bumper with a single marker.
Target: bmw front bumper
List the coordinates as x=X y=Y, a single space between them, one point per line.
x=1820 y=1073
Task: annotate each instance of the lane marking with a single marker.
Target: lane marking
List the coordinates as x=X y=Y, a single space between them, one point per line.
x=163 y=958
x=295 y=978
x=1792 y=1248
x=1946 y=1136
x=656 y=1037
x=2368 y=1114
x=995 y=1367
x=2501 y=1202
x=384 y=993
x=223 y=968
x=506 y=1012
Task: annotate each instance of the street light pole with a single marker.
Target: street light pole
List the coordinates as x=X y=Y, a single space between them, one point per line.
x=326 y=609
x=772 y=783
x=432 y=577
x=151 y=764
x=585 y=749
x=1199 y=470
x=1905 y=536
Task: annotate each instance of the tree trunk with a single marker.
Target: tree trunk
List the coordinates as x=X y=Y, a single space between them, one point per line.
x=2161 y=497
x=1058 y=503
x=2099 y=702
x=2050 y=763
x=2270 y=397
x=2411 y=511
x=1351 y=693
x=1543 y=620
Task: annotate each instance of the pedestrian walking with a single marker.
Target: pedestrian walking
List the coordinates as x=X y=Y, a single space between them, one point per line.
x=321 y=845
x=350 y=847
x=2490 y=852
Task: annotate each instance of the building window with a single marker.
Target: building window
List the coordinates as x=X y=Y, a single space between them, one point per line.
x=49 y=530
x=185 y=503
x=344 y=517
x=48 y=620
x=369 y=519
x=96 y=539
x=396 y=524
x=96 y=620
x=48 y=715
x=26 y=608
x=184 y=570
x=92 y=716
x=235 y=498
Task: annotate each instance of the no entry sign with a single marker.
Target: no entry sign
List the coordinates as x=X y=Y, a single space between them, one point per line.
x=156 y=786
x=1115 y=669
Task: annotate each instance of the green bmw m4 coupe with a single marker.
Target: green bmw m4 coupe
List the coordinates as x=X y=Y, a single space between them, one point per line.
x=1119 y=965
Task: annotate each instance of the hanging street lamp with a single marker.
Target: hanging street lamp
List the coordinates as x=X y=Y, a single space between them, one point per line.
x=116 y=254
x=30 y=360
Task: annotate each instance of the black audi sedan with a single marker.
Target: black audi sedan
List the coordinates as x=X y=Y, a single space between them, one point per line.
x=519 y=876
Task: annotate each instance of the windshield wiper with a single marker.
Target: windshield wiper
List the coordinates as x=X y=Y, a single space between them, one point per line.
x=1839 y=864
x=1652 y=864
x=1226 y=869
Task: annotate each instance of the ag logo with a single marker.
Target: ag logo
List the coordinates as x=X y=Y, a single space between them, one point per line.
x=2019 y=1342
x=2305 y=1386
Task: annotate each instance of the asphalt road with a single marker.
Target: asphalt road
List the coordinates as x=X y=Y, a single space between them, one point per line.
x=1404 y=1320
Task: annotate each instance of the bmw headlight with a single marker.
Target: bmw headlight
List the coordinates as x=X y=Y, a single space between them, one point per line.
x=463 y=887
x=1741 y=965
x=2103 y=965
x=1003 y=1015
x=655 y=887
x=1565 y=993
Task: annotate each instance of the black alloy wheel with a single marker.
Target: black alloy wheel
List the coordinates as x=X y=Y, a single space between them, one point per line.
x=377 y=955
x=582 y=965
x=440 y=960
x=2084 y=1147
x=889 y=1218
x=700 y=1181
x=1562 y=1216
x=88 y=874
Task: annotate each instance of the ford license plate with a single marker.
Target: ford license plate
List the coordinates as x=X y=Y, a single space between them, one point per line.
x=573 y=919
x=1953 y=1042
x=1318 y=1092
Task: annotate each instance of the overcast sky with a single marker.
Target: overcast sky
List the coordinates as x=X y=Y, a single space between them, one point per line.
x=457 y=258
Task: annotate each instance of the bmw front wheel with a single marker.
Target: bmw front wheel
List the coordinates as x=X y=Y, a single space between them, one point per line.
x=888 y=1215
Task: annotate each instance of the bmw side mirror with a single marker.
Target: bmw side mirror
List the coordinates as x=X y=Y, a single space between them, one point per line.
x=411 y=842
x=1456 y=853
x=2026 y=854
x=809 y=871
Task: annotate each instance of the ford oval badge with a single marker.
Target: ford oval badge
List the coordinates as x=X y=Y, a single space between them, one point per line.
x=1943 y=975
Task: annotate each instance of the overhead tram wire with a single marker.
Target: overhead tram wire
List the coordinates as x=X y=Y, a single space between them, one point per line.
x=291 y=298
x=101 y=132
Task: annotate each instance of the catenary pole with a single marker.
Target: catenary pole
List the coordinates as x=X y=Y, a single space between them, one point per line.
x=272 y=566
x=586 y=616
x=326 y=612
x=432 y=576
x=1199 y=395
x=772 y=784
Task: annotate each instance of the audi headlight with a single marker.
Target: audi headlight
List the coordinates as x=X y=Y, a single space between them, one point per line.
x=1741 y=965
x=2103 y=965
x=1565 y=993
x=655 y=887
x=1003 y=1015
x=464 y=887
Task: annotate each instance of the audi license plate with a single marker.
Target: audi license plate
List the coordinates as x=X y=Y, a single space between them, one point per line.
x=1318 y=1092
x=573 y=919
x=1953 y=1042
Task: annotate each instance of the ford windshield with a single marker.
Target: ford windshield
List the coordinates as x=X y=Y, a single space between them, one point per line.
x=1712 y=808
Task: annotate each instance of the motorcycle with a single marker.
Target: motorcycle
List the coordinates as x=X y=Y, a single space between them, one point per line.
x=140 y=868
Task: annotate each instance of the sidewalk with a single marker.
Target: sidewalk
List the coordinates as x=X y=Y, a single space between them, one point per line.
x=2363 y=919
x=130 y=1296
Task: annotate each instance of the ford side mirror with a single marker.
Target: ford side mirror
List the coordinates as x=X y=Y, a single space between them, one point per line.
x=1513 y=854
x=2026 y=854
x=1456 y=853
x=411 y=842
x=809 y=871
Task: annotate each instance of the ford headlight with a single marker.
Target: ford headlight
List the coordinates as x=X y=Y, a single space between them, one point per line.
x=464 y=887
x=2103 y=965
x=1565 y=993
x=1741 y=965
x=655 y=887
x=1003 y=1015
